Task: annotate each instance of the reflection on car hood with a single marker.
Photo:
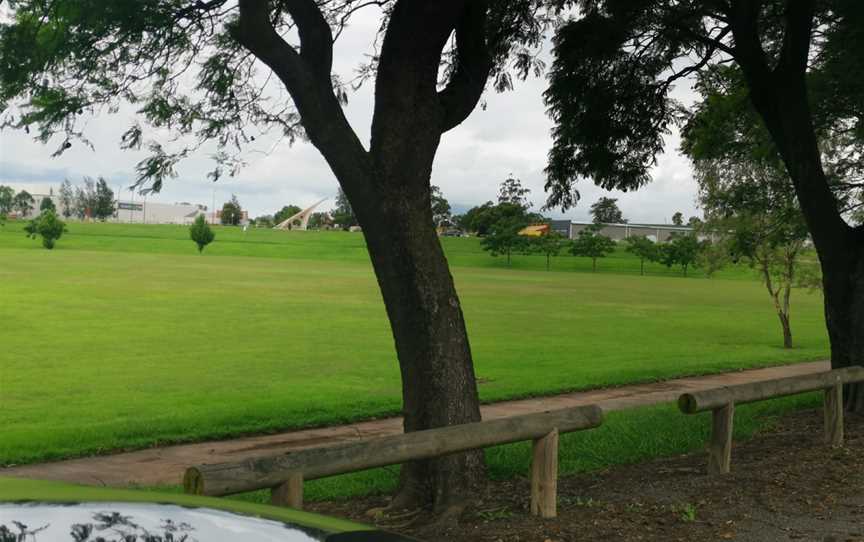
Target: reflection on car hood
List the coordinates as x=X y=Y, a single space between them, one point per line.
x=123 y=522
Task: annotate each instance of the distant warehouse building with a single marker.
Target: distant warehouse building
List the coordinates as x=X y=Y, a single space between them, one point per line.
x=659 y=233
x=148 y=212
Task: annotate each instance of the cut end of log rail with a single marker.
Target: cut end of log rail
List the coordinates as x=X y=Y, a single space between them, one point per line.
x=193 y=482
x=687 y=403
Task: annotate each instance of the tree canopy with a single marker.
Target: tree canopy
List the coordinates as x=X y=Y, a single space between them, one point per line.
x=605 y=211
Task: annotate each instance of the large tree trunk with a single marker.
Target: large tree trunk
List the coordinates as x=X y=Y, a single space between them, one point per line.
x=779 y=94
x=388 y=187
x=438 y=383
x=843 y=283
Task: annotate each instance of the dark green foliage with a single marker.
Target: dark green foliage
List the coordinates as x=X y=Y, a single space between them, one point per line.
x=232 y=213
x=201 y=233
x=47 y=205
x=511 y=191
x=103 y=201
x=285 y=212
x=680 y=250
x=503 y=237
x=23 y=203
x=606 y=211
x=7 y=199
x=678 y=219
x=478 y=219
x=48 y=226
x=440 y=207
x=512 y=207
x=548 y=245
x=319 y=220
x=343 y=214
x=644 y=249
x=592 y=244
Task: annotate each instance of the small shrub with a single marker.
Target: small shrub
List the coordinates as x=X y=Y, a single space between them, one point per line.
x=201 y=233
x=48 y=226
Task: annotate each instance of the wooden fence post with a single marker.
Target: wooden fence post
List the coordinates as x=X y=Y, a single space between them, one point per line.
x=544 y=476
x=720 y=448
x=290 y=493
x=834 y=415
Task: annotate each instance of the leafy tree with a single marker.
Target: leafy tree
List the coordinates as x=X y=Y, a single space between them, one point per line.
x=201 y=233
x=264 y=221
x=511 y=191
x=67 y=198
x=503 y=237
x=678 y=219
x=590 y=243
x=548 y=245
x=478 y=219
x=434 y=62
x=23 y=203
x=232 y=213
x=285 y=212
x=47 y=205
x=319 y=219
x=680 y=250
x=7 y=201
x=440 y=207
x=606 y=211
x=694 y=222
x=799 y=64
x=752 y=211
x=48 y=226
x=103 y=202
x=643 y=248
x=85 y=199
x=343 y=214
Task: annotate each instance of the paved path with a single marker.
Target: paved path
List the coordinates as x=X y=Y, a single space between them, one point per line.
x=165 y=466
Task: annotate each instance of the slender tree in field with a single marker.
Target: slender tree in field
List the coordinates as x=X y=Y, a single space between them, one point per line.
x=440 y=207
x=434 y=62
x=201 y=233
x=590 y=243
x=800 y=63
x=232 y=213
x=548 y=245
x=7 y=200
x=643 y=248
x=67 y=198
x=103 y=201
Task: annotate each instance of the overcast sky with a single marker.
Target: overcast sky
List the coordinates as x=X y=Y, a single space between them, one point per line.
x=511 y=136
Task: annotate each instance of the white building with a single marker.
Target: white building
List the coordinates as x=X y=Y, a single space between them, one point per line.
x=149 y=212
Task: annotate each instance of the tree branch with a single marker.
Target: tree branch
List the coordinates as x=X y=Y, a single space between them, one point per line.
x=474 y=64
x=796 y=38
x=306 y=75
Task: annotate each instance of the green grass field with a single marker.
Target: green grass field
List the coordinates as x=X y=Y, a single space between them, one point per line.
x=124 y=337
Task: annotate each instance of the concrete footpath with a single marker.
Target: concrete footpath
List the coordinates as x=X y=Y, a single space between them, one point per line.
x=165 y=465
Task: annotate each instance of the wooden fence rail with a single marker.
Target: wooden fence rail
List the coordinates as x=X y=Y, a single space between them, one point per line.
x=285 y=474
x=722 y=401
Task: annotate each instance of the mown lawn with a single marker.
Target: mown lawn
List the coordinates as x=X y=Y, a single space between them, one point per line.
x=124 y=337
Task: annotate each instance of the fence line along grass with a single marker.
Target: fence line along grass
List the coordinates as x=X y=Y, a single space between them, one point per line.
x=106 y=348
x=626 y=437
